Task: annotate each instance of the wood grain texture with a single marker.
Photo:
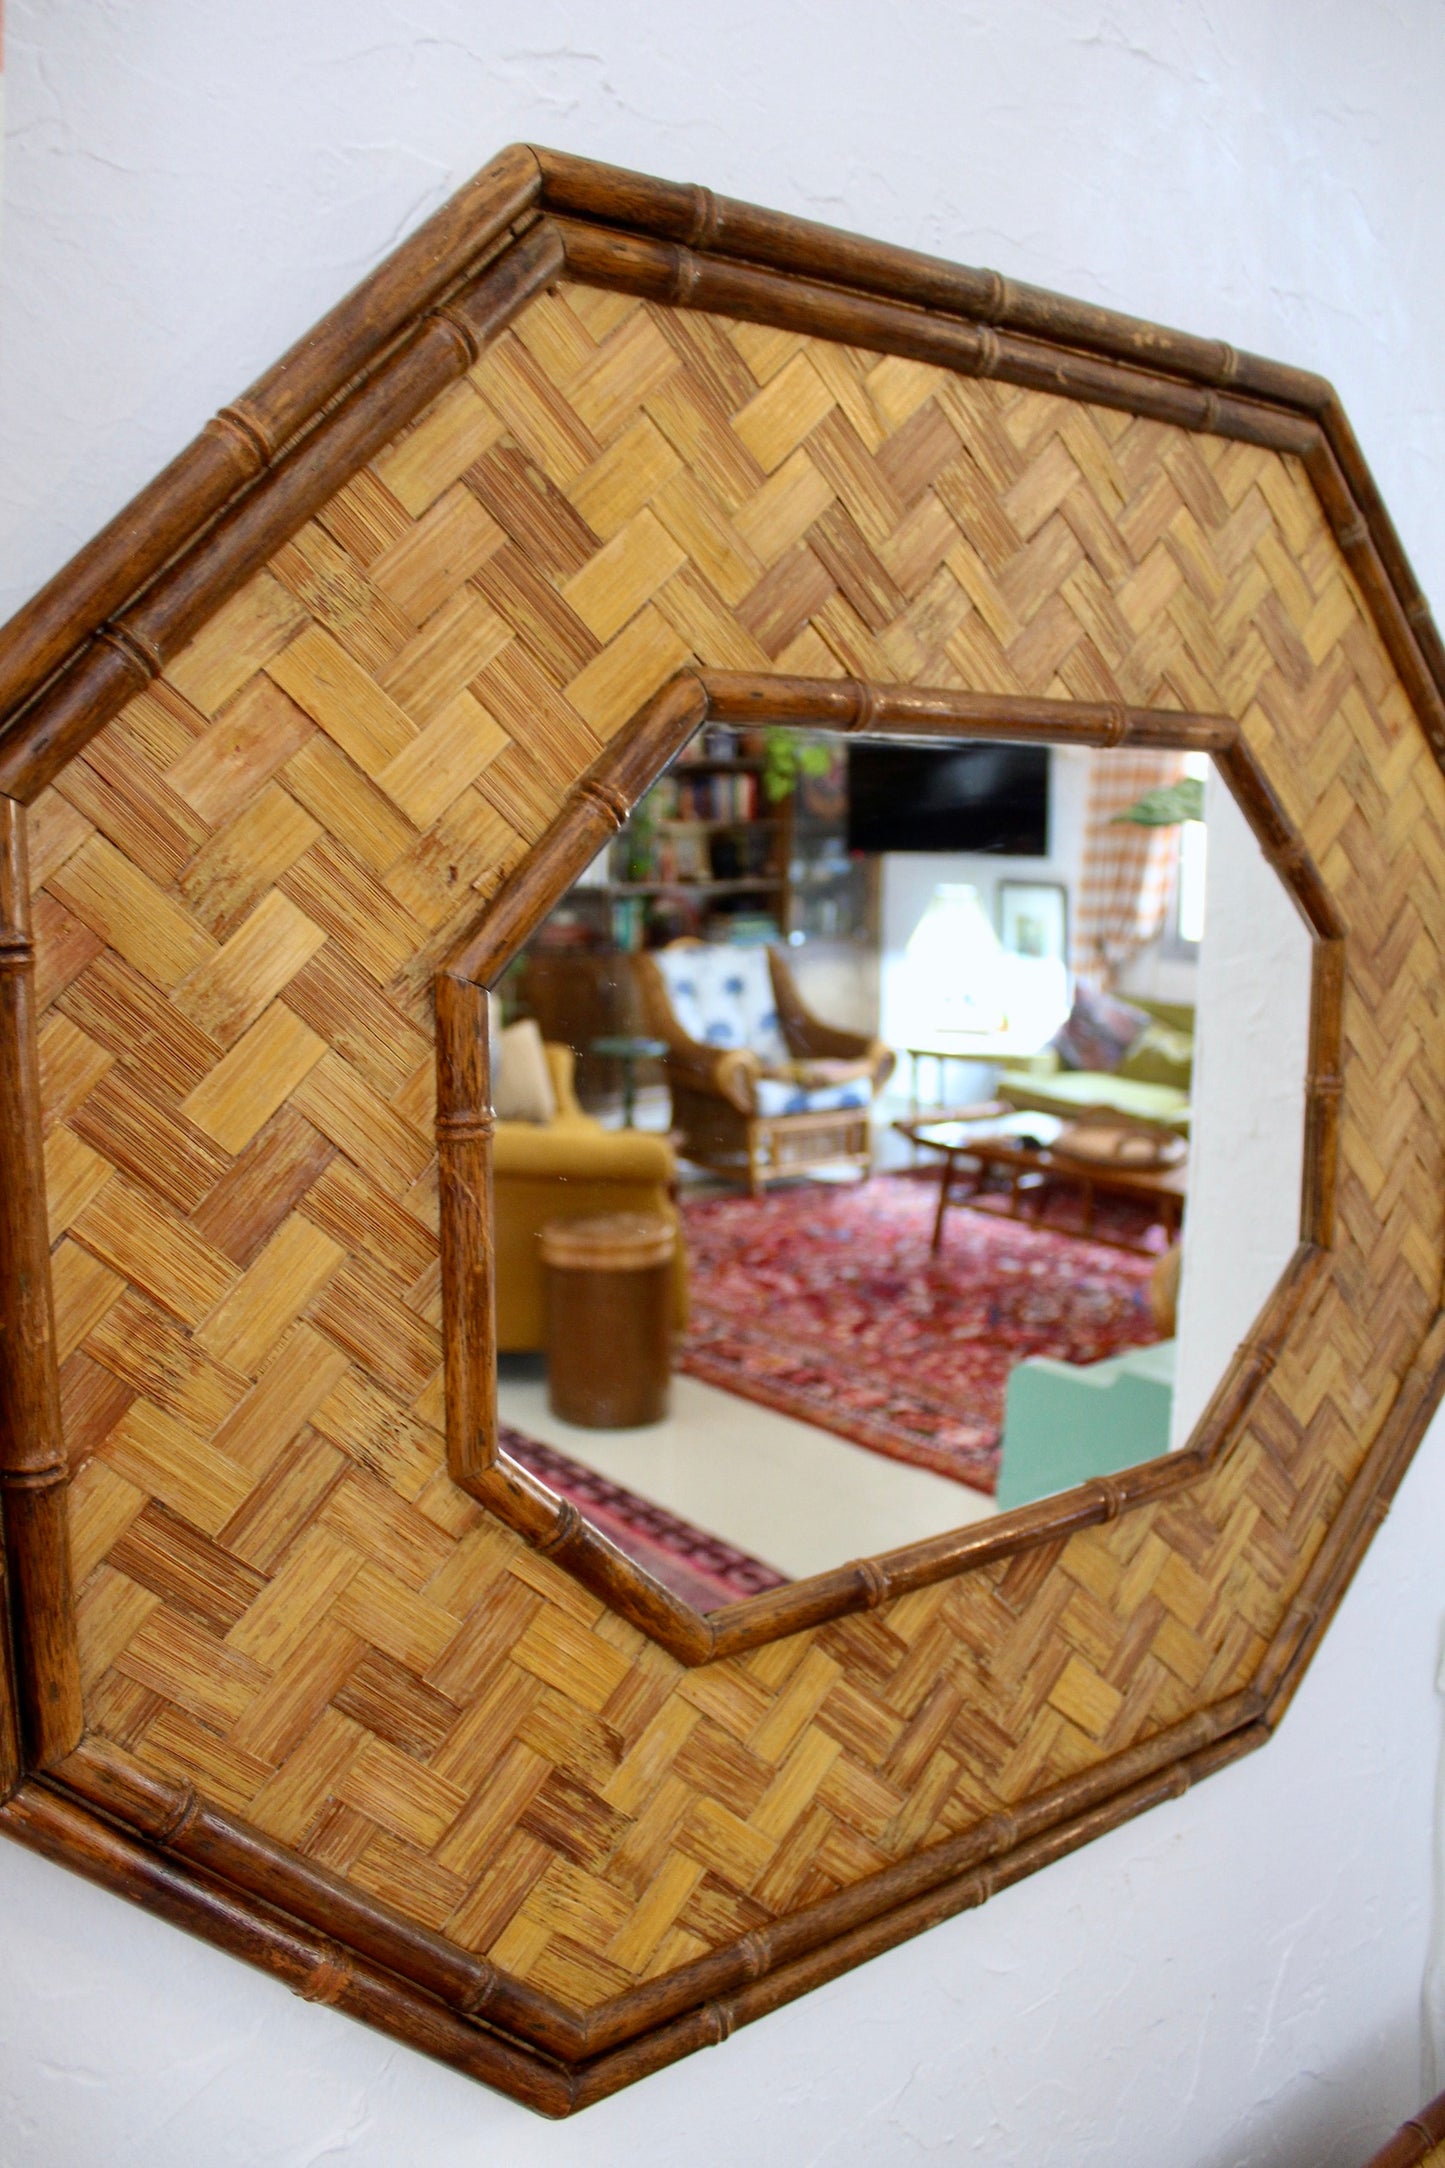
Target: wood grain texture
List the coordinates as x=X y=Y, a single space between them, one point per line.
x=42 y=1691
x=358 y=1727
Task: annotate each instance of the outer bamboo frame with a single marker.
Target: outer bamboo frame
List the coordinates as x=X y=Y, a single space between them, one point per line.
x=599 y=804
x=1417 y=2142
x=32 y=1452
x=110 y=621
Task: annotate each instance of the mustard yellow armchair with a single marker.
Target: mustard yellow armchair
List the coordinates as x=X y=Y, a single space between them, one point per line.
x=567 y=1168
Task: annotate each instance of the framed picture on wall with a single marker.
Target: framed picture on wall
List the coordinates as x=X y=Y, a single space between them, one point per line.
x=1033 y=919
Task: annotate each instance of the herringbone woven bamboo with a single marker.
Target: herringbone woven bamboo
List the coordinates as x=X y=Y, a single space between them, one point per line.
x=244 y=886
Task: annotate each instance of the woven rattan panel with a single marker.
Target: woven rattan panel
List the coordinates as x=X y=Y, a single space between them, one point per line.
x=244 y=885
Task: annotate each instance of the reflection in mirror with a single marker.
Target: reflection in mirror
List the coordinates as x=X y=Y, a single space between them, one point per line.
x=873 y=1122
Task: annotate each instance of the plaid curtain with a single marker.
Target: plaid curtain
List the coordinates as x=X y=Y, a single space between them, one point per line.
x=1128 y=872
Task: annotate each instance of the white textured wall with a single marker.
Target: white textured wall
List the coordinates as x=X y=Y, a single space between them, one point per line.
x=1247 y=1145
x=1235 y=1979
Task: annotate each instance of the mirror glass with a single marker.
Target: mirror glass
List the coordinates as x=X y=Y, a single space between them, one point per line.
x=888 y=1137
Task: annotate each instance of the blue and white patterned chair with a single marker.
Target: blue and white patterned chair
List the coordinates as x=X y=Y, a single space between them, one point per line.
x=761 y=1088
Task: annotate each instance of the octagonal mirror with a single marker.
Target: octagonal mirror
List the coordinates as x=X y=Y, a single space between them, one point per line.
x=873 y=1120
x=414 y=632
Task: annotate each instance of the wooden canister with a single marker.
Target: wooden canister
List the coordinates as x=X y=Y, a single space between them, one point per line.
x=609 y=1318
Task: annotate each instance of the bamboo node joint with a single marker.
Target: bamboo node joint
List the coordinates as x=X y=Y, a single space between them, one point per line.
x=719 y=2021
x=569 y=1526
x=1261 y=1358
x=607 y=798
x=874 y=1580
x=865 y=706
x=181 y=1816
x=702 y=226
x=467 y=1128
x=682 y=278
x=990 y=351
x=1111 y=1491
x=326 y=1982
x=476 y=2001
x=753 y=1954
x=460 y=330
x=248 y=433
x=54 y=1476
x=135 y=651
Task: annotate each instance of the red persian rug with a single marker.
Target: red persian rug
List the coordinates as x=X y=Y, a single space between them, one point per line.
x=824 y=1301
x=702 y=1569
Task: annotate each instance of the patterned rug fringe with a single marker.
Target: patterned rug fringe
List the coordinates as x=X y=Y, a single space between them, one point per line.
x=702 y=1569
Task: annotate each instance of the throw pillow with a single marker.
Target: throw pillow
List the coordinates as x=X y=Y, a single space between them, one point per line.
x=1100 y=1030
x=1160 y=1056
x=722 y=996
x=521 y=1081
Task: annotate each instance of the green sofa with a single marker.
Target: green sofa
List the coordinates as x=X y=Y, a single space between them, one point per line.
x=1151 y=1084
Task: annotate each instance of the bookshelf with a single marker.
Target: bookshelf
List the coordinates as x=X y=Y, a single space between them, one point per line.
x=708 y=853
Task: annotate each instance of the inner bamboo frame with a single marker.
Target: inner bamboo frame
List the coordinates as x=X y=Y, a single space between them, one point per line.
x=600 y=802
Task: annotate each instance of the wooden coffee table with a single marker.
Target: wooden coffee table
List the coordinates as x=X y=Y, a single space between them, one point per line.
x=1019 y=1147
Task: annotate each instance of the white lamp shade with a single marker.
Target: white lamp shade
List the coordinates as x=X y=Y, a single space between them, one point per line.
x=955 y=979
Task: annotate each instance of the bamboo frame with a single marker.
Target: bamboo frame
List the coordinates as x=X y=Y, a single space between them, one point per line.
x=108 y=623
x=162 y=1847
x=1417 y=2142
x=206 y=1873
x=109 y=620
x=33 y=1470
x=598 y=806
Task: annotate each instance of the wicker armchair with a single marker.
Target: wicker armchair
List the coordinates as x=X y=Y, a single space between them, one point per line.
x=761 y=1088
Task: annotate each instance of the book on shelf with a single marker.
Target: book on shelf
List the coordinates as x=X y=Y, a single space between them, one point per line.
x=714 y=795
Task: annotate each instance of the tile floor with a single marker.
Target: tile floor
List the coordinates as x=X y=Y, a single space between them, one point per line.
x=793 y=1495
x=796 y=1496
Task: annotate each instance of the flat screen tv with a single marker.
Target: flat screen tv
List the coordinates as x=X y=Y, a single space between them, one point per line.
x=980 y=797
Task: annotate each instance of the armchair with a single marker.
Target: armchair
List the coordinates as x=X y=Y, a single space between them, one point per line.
x=567 y=1168
x=761 y=1088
